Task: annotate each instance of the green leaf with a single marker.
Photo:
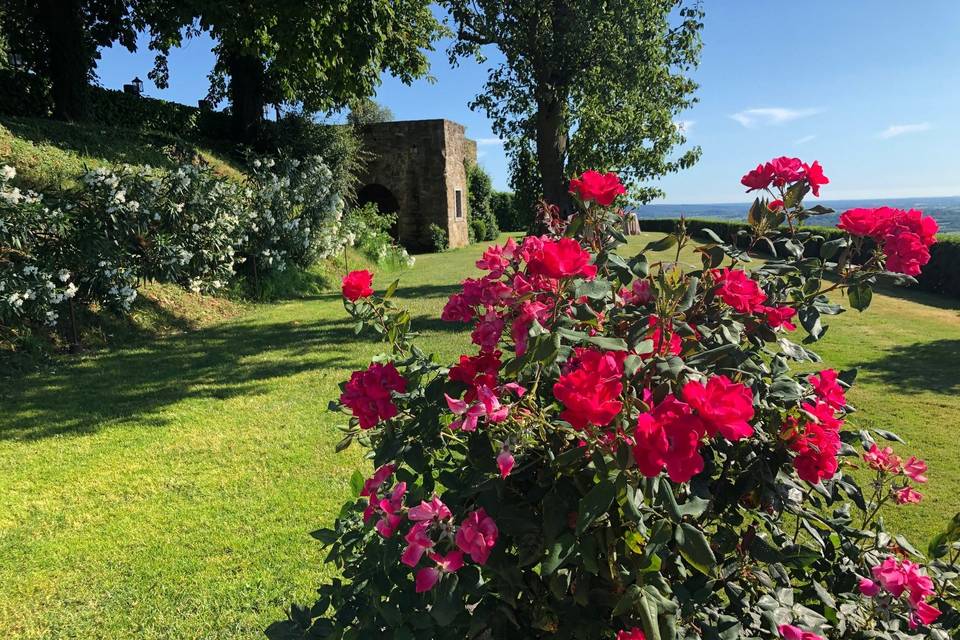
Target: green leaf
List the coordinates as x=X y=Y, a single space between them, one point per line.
x=795 y=194
x=696 y=550
x=860 y=295
x=356 y=483
x=594 y=504
x=609 y=344
x=662 y=244
x=391 y=289
x=593 y=289
x=558 y=553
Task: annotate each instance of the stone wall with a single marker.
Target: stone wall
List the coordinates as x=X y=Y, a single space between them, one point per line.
x=420 y=162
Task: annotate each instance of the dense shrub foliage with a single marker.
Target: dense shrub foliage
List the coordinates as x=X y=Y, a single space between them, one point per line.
x=509 y=217
x=628 y=454
x=480 y=217
x=368 y=230
x=95 y=243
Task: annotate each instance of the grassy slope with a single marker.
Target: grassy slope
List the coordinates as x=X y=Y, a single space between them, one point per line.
x=166 y=490
x=50 y=154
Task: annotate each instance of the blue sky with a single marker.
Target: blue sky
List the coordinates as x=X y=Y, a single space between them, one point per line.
x=868 y=88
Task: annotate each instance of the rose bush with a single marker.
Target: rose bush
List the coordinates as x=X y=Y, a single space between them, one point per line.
x=627 y=454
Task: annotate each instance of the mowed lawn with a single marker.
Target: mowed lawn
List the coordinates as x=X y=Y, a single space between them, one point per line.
x=167 y=490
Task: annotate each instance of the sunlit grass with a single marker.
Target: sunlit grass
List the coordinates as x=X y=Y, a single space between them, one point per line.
x=167 y=490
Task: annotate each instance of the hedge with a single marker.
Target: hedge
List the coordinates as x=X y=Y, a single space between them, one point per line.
x=27 y=95
x=941 y=275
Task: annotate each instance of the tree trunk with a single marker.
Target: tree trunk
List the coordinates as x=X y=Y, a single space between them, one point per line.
x=552 y=151
x=247 y=99
x=62 y=23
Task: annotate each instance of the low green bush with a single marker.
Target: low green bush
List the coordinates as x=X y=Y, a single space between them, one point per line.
x=941 y=275
x=439 y=240
x=482 y=223
x=368 y=231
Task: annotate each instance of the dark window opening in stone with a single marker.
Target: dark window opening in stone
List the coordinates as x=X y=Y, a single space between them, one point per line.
x=384 y=200
x=459 y=203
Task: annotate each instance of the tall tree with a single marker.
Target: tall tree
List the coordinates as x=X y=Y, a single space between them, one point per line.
x=319 y=56
x=589 y=83
x=59 y=40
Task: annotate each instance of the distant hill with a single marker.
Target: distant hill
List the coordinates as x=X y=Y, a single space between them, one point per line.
x=946 y=211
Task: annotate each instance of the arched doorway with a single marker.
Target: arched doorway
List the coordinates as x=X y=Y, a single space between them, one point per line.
x=384 y=200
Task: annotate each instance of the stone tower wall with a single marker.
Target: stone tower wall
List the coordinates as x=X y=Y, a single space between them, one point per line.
x=421 y=163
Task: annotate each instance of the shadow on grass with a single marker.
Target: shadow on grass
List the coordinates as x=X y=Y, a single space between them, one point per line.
x=928 y=366
x=136 y=383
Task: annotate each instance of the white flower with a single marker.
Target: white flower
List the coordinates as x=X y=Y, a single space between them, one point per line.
x=64 y=275
x=29 y=270
x=8 y=172
x=194 y=227
x=70 y=291
x=14 y=300
x=120 y=196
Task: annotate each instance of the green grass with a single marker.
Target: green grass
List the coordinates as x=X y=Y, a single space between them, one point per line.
x=166 y=490
x=49 y=154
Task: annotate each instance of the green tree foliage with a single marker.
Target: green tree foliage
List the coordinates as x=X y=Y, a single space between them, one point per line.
x=367 y=111
x=319 y=57
x=589 y=84
x=502 y=204
x=483 y=224
x=59 y=40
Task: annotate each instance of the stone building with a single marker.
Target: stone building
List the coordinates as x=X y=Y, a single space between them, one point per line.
x=415 y=168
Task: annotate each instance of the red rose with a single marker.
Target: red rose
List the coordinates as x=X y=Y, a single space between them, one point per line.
x=737 y=289
x=867 y=223
x=779 y=317
x=368 y=394
x=600 y=188
x=356 y=285
x=725 y=406
x=759 y=178
x=775 y=205
x=786 y=170
x=590 y=391
x=815 y=178
x=906 y=253
x=563 y=258
x=669 y=437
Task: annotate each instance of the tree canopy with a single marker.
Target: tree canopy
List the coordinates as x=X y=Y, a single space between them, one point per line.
x=320 y=56
x=586 y=83
x=59 y=40
x=367 y=111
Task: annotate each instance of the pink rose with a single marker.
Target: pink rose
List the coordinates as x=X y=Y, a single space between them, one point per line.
x=477 y=535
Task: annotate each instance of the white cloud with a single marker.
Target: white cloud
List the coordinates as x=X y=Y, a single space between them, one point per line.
x=895 y=130
x=684 y=126
x=750 y=118
x=489 y=142
x=805 y=139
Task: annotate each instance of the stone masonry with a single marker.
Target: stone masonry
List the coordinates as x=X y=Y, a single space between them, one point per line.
x=415 y=168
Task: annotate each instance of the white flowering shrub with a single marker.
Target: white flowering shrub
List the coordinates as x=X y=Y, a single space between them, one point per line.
x=32 y=289
x=294 y=216
x=123 y=225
